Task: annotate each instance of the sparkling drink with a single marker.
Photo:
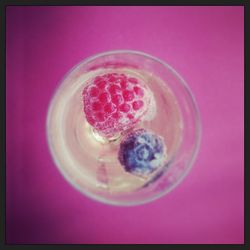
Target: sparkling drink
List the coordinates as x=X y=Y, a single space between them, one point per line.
x=89 y=159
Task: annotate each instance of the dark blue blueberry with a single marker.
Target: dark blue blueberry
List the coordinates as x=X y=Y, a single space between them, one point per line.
x=142 y=152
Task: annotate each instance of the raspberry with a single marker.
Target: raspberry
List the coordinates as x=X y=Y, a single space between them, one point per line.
x=142 y=152
x=115 y=102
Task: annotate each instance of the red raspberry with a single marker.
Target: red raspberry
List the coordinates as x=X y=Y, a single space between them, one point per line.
x=115 y=102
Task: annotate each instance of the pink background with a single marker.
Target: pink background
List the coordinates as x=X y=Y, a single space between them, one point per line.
x=204 y=44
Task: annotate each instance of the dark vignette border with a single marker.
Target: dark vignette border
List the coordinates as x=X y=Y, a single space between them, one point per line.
x=6 y=3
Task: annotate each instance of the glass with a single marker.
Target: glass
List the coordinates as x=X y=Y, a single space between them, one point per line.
x=89 y=161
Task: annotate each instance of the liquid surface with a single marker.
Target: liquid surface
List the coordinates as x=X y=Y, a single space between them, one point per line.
x=88 y=160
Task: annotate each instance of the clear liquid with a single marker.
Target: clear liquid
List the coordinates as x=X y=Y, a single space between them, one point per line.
x=91 y=161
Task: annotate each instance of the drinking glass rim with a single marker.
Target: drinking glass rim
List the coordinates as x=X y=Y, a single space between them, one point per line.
x=197 y=123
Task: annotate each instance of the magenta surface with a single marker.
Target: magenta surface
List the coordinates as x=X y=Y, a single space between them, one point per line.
x=204 y=44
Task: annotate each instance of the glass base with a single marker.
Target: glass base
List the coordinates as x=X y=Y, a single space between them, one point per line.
x=90 y=161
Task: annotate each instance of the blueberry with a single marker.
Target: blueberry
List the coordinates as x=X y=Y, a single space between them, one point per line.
x=142 y=152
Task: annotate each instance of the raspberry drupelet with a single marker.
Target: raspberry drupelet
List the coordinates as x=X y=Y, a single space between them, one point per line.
x=115 y=102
